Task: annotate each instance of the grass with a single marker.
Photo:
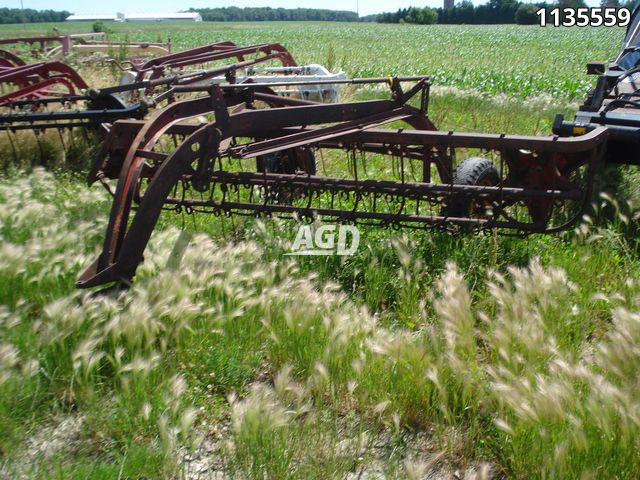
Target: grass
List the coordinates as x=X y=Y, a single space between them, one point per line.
x=530 y=354
x=423 y=351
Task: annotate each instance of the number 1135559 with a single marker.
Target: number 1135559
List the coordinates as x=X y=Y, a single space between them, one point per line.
x=584 y=17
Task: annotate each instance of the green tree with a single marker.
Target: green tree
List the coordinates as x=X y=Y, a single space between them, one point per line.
x=526 y=14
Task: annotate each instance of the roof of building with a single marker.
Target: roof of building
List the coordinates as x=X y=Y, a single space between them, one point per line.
x=137 y=16
x=185 y=15
x=91 y=17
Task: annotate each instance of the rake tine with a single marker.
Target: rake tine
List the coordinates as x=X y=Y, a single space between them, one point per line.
x=13 y=147
x=64 y=146
x=37 y=134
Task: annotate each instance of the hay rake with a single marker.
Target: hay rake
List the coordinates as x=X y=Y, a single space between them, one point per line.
x=259 y=157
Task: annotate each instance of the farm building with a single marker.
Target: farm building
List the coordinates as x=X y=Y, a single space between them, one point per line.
x=163 y=17
x=139 y=17
x=91 y=18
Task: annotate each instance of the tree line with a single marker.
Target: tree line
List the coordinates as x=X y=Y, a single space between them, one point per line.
x=223 y=14
x=266 y=14
x=28 y=15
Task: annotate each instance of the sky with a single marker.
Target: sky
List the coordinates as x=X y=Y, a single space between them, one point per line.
x=365 y=7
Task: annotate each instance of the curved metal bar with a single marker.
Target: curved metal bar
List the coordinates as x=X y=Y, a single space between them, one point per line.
x=43 y=70
x=12 y=58
x=267 y=49
x=185 y=53
x=133 y=163
x=38 y=89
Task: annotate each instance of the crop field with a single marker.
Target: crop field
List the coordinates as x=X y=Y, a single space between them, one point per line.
x=422 y=356
x=549 y=61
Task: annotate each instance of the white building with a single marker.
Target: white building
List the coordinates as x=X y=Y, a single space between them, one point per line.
x=163 y=17
x=139 y=17
x=90 y=18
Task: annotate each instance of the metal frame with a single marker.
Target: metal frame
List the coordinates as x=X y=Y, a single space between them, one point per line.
x=83 y=42
x=154 y=181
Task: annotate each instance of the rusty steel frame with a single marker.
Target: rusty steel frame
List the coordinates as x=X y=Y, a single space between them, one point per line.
x=157 y=67
x=150 y=179
x=66 y=41
x=70 y=42
x=36 y=80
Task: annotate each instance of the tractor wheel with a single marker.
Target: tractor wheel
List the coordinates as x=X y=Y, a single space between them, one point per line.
x=471 y=171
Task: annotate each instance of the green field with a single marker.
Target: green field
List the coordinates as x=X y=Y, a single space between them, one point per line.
x=421 y=355
x=508 y=59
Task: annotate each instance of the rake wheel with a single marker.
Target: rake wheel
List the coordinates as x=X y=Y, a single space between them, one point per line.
x=471 y=171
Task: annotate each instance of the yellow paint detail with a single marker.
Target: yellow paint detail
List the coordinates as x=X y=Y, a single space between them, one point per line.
x=579 y=130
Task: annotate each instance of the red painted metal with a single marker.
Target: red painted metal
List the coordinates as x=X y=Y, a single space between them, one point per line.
x=65 y=40
x=40 y=90
x=157 y=67
x=10 y=60
x=43 y=70
x=39 y=79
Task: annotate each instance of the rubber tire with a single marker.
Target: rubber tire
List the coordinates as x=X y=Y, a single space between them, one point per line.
x=288 y=161
x=471 y=171
x=107 y=102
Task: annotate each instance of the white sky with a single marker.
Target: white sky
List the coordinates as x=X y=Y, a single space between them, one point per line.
x=162 y=6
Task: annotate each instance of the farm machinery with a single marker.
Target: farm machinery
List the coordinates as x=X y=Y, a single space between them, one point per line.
x=56 y=45
x=144 y=85
x=243 y=139
x=265 y=154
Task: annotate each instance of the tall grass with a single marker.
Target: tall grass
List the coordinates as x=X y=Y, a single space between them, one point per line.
x=531 y=368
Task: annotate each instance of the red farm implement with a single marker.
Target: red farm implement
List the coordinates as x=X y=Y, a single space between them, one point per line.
x=145 y=85
x=263 y=155
x=51 y=46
